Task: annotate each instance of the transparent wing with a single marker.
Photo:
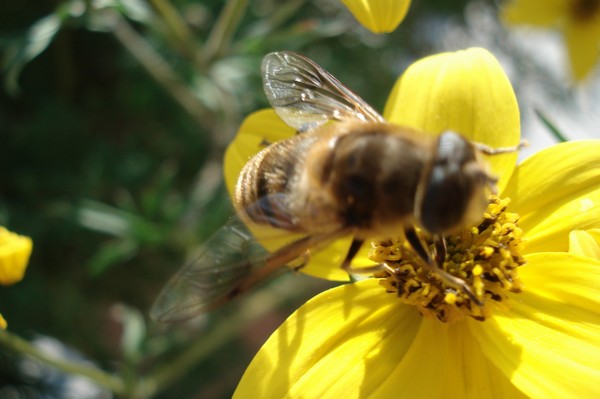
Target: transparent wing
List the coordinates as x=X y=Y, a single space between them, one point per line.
x=304 y=95
x=229 y=263
x=224 y=261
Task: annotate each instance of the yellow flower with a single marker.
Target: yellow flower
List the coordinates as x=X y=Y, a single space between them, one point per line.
x=540 y=338
x=579 y=20
x=14 y=256
x=378 y=16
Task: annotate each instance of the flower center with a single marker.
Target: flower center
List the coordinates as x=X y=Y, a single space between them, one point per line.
x=585 y=10
x=485 y=257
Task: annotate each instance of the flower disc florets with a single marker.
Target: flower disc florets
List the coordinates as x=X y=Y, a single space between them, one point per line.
x=485 y=257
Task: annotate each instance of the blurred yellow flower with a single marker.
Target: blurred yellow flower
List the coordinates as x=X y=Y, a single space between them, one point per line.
x=14 y=256
x=378 y=16
x=539 y=337
x=579 y=21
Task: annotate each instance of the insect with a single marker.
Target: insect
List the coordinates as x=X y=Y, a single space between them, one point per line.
x=346 y=173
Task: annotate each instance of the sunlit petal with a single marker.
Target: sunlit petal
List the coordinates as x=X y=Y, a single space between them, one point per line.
x=548 y=340
x=570 y=280
x=555 y=191
x=445 y=351
x=379 y=16
x=548 y=229
x=484 y=379
x=356 y=341
x=465 y=91
x=341 y=343
x=585 y=243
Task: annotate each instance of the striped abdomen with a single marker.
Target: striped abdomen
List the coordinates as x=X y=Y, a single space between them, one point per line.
x=262 y=190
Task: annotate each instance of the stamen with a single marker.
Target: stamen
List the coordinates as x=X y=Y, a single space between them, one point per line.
x=485 y=257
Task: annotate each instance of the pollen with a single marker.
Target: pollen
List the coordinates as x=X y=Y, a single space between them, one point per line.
x=485 y=257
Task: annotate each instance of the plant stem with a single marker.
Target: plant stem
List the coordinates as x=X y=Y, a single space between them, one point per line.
x=284 y=12
x=18 y=344
x=160 y=70
x=253 y=307
x=178 y=30
x=219 y=40
x=166 y=375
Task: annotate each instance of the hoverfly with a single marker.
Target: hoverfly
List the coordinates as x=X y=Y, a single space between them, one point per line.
x=347 y=172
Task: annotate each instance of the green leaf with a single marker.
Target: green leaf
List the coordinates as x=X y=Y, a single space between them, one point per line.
x=104 y=218
x=110 y=254
x=24 y=49
x=134 y=332
x=551 y=126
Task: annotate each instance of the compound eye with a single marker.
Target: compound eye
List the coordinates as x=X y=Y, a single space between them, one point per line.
x=445 y=200
x=447 y=187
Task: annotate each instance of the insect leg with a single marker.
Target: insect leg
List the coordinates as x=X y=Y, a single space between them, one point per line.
x=352 y=251
x=439 y=242
x=487 y=150
x=435 y=264
x=417 y=245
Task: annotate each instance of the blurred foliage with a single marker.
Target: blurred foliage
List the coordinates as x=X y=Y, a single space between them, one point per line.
x=114 y=116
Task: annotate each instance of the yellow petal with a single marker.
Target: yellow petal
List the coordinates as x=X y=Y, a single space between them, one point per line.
x=542 y=13
x=3 y=323
x=340 y=344
x=357 y=341
x=567 y=279
x=548 y=341
x=583 y=42
x=480 y=377
x=585 y=243
x=465 y=91
x=555 y=191
x=549 y=228
x=325 y=263
x=14 y=256
x=444 y=361
x=379 y=16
